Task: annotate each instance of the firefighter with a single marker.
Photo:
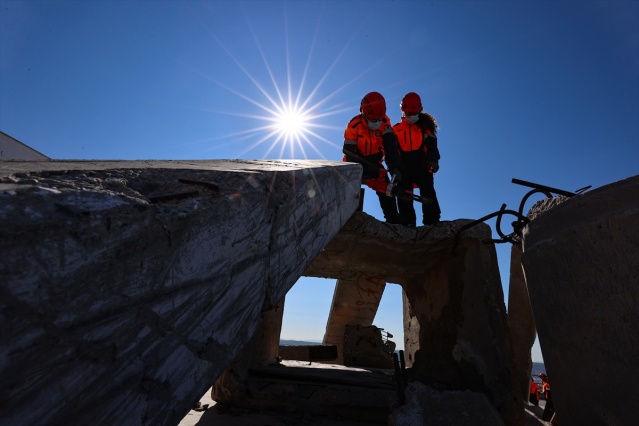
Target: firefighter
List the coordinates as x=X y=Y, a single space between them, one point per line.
x=417 y=143
x=534 y=392
x=545 y=386
x=549 y=409
x=369 y=140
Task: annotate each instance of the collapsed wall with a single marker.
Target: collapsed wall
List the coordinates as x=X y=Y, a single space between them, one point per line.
x=127 y=287
x=456 y=334
x=455 y=328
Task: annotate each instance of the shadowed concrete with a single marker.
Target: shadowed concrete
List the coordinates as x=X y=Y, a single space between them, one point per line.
x=581 y=262
x=521 y=322
x=127 y=287
x=456 y=337
x=425 y=406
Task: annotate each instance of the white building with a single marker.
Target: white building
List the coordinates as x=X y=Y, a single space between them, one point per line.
x=13 y=149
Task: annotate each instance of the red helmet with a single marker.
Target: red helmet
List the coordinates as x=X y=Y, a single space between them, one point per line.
x=543 y=375
x=411 y=103
x=373 y=106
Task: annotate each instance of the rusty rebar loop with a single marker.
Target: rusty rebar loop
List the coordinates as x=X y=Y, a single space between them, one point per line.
x=544 y=187
x=529 y=194
x=498 y=213
x=515 y=237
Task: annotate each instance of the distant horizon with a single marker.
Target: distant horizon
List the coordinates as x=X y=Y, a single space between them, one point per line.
x=538 y=366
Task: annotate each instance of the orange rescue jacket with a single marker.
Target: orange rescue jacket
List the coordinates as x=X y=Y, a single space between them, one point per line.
x=409 y=137
x=369 y=142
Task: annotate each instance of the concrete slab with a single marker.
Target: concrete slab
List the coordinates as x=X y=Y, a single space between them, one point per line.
x=127 y=287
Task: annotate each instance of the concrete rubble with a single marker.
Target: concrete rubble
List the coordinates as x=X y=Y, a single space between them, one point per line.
x=129 y=288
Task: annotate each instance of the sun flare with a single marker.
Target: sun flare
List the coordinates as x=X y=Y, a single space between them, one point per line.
x=292 y=118
x=291 y=123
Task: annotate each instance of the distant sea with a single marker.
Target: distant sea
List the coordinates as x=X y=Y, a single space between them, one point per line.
x=285 y=342
x=538 y=367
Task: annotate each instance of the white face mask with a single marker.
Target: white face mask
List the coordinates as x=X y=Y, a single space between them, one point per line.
x=411 y=119
x=374 y=125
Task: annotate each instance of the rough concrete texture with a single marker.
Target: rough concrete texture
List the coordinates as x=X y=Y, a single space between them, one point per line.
x=581 y=261
x=456 y=332
x=127 y=287
x=427 y=407
x=521 y=322
x=318 y=391
x=364 y=347
x=354 y=302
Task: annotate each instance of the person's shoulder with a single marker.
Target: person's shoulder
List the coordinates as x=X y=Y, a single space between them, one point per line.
x=426 y=115
x=399 y=125
x=386 y=125
x=427 y=122
x=355 y=121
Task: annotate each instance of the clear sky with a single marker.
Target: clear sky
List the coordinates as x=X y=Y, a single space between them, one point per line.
x=543 y=91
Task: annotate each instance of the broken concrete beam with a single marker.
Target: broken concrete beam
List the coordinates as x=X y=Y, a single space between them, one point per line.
x=581 y=262
x=128 y=287
x=380 y=250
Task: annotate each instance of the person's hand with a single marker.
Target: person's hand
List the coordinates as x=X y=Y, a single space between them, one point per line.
x=433 y=166
x=396 y=174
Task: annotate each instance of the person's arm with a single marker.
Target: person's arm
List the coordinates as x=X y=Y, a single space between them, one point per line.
x=432 y=151
x=389 y=143
x=350 y=151
x=428 y=126
x=391 y=153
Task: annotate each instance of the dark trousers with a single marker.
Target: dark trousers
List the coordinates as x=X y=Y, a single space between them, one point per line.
x=426 y=185
x=549 y=410
x=534 y=400
x=388 y=204
x=389 y=208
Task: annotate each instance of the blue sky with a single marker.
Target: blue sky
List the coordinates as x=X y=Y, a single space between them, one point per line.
x=543 y=91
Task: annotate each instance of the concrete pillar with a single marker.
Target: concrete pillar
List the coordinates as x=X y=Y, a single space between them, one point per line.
x=457 y=333
x=521 y=322
x=260 y=351
x=581 y=260
x=264 y=345
x=355 y=302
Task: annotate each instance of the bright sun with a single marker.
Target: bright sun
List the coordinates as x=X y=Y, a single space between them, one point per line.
x=292 y=118
x=291 y=123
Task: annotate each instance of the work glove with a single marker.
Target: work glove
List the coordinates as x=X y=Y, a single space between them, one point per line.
x=372 y=170
x=396 y=174
x=433 y=166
